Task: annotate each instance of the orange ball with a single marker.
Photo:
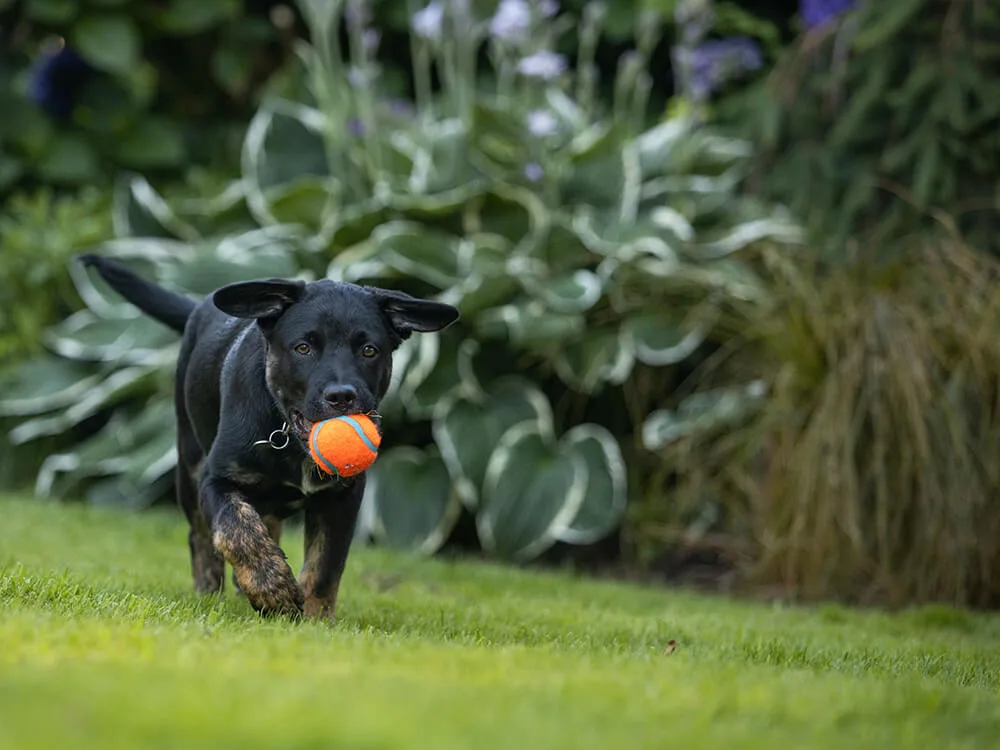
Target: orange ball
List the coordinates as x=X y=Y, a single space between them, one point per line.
x=344 y=446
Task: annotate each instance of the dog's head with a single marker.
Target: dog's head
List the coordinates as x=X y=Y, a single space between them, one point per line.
x=329 y=344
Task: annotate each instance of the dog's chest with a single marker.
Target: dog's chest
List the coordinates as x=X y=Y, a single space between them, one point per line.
x=310 y=481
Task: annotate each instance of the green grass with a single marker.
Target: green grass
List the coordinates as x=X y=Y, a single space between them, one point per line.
x=102 y=644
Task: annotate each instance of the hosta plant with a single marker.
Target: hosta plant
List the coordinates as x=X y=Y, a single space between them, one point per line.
x=583 y=243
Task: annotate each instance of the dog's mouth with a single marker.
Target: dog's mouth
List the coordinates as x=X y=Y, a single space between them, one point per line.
x=299 y=425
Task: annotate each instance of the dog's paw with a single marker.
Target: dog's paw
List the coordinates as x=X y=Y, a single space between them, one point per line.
x=320 y=608
x=270 y=587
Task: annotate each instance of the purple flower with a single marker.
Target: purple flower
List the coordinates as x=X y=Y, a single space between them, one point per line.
x=54 y=80
x=400 y=108
x=358 y=77
x=370 y=39
x=542 y=64
x=715 y=62
x=548 y=8
x=355 y=127
x=511 y=22
x=428 y=23
x=542 y=123
x=534 y=172
x=816 y=13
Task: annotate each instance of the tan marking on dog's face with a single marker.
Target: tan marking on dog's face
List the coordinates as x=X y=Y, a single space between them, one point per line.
x=273 y=383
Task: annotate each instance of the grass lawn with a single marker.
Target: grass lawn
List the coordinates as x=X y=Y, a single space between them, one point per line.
x=103 y=645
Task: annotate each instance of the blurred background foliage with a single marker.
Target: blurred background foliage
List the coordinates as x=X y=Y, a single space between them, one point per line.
x=725 y=267
x=879 y=128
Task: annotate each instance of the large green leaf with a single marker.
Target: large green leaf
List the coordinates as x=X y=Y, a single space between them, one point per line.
x=657 y=146
x=701 y=413
x=414 y=362
x=435 y=206
x=561 y=249
x=478 y=292
x=601 y=356
x=500 y=138
x=468 y=425
x=153 y=143
x=415 y=505
x=482 y=263
x=140 y=450
x=603 y=233
x=530 y=324
x=662 y=338
x=404 y=359
x=140 y=255
x=605 y=499
x=451 y=372
x=598 y=174
x=139 y=211
x=69 y=159
x=116 y=387
x=85 y=336
x=189 y=17
x=51 y=11
x=310 y=200
x=109 y=42
x=532 y=491
x=733 y=239
x=443 y=163
x=43 y=383
x=253 y=255
x=419 y=252
x=146 y=250
x=571 y=292
x=283 y=143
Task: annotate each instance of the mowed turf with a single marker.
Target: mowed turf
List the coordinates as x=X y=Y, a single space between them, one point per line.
x=103 y=645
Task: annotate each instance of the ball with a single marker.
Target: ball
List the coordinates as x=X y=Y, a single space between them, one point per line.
x=344 y=446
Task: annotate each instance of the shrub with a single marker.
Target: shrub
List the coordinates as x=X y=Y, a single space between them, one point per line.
x=592 y=255
x=868 y=472
x=88 y=88
x=39 y=232
x=877 y=125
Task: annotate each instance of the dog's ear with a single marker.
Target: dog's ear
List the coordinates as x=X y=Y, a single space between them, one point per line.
x=261 y=300
x=411 y=314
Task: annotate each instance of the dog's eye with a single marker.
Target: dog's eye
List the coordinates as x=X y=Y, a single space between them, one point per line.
x=368 y=351
x=303 y=348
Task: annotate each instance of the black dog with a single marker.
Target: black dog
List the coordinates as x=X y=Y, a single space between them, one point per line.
x=261 y=362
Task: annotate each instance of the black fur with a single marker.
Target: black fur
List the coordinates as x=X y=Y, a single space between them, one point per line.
x=255 y=356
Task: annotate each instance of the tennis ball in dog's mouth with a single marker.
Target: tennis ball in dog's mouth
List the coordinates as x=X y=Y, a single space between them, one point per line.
x=344 y=446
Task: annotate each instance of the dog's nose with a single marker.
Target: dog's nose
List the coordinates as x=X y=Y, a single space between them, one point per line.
x=340 y=395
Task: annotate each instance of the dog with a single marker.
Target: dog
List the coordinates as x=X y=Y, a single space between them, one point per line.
x=260 y=362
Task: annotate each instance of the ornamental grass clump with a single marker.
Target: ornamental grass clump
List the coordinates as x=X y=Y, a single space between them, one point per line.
x=870 y=472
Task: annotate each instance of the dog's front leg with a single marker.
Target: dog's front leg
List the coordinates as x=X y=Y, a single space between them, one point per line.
x=330 y=518
x=241 y=536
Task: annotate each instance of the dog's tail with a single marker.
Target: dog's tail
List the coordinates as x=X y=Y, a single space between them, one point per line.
x=170 y=308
